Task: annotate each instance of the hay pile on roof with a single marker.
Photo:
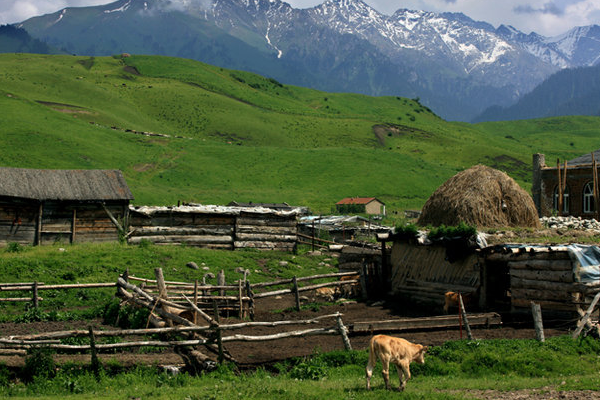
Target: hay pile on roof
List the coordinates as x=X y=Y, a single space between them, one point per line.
x=480 y=196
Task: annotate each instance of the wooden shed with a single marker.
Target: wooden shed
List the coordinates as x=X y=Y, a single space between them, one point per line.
x=40 y=206
x=503 y=278
x=423 y=273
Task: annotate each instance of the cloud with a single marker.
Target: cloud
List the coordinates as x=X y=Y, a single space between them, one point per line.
x=547 y=8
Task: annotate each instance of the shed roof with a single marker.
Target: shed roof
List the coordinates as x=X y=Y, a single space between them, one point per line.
x=585 y=159
x=358 y=200
x=54 y=184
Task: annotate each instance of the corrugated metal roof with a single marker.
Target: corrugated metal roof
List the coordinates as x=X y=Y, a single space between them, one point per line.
x=357 y=200
x=55 y=184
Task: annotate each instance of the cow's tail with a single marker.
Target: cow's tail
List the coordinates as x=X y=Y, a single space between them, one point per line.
x=372 y=356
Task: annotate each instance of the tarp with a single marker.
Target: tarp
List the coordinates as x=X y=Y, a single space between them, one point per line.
x=585 y=259
x=586 y=262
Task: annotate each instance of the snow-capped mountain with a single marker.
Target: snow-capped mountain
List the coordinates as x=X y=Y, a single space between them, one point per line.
x=456 y=65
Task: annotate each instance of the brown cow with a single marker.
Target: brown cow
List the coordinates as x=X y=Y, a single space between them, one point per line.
x=451 y=300
x=399 y=351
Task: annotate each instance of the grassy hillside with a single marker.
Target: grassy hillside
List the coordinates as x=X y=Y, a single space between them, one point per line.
x=215 y=135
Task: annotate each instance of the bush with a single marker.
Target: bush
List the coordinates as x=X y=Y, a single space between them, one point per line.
x=310 y=369
x=39 y=363
x=126 y=317
x=462 y=230
x=407 y=231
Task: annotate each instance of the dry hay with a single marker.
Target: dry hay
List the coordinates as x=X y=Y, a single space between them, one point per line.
x=483 y=197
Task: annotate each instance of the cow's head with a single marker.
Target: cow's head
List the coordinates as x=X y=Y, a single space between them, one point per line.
x=420 y=356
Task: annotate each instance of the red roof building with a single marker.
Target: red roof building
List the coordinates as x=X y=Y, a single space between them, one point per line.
x=368 y=205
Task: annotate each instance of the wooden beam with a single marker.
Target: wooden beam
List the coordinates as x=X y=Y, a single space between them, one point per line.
x=436 y=322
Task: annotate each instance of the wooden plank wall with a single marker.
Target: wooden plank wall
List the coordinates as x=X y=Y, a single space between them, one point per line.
x=422 y=274
x=17 y=223
x=61 y=222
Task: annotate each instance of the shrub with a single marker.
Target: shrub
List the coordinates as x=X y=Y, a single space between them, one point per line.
x=462 y=230
x=310 y=369
x=14 y=247
x=39 y=363
x=407 y=231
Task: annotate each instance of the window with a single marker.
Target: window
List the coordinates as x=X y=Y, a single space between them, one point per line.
x=588 y=198
x=565 y=209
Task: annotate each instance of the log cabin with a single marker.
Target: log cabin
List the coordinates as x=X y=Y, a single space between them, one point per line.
x=44 y=206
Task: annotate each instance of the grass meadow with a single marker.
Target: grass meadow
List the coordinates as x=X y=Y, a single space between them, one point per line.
x=215 y=135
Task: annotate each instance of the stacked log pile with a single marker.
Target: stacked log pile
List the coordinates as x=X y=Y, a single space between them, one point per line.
x=214 y=227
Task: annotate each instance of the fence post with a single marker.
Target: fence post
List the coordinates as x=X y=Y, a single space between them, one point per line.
x=296 y=293
x=250 y=300
x=195 y=301
x=313 y=235
x=586 y=316
x=343 y=331
x=95 y=363
x=218 y=332
x=35 y=295
x=221 y=281
x=536 y=310
x=464 y=317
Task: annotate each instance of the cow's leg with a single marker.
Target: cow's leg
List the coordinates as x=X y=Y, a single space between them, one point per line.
x=369 y=371
x=386 y=372
x=403 y=374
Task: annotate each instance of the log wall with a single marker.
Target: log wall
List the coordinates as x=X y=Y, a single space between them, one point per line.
x=228 y=228
x=545 y=278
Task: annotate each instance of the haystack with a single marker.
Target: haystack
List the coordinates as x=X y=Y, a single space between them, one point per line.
x=483 y=197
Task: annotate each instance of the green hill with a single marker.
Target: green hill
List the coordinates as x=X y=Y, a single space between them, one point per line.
x=184 y=130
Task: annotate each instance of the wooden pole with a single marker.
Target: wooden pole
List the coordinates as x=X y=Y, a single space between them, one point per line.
x=464 y=317
x=73 y=225
x=196 y=301
x=218 y=334
x=586 y=316
x=38 y=236
x=313 y=235
x=221 y=281
x=344 y=332
x=160 y=282
x=296 y=293
x=594 y=184
x=95 y=362
x=241 y=299
x=536 y=310
x=250 y=296
x=35 y=295
x=560 y=196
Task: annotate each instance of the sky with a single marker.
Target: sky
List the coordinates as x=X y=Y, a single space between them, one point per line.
x=546 y=17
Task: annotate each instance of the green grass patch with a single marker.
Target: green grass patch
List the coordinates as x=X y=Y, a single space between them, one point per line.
x=228 y=135
x=454 y=370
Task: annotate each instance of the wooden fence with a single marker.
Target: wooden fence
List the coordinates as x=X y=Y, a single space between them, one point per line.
x=237 y=299
x=212 y=335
